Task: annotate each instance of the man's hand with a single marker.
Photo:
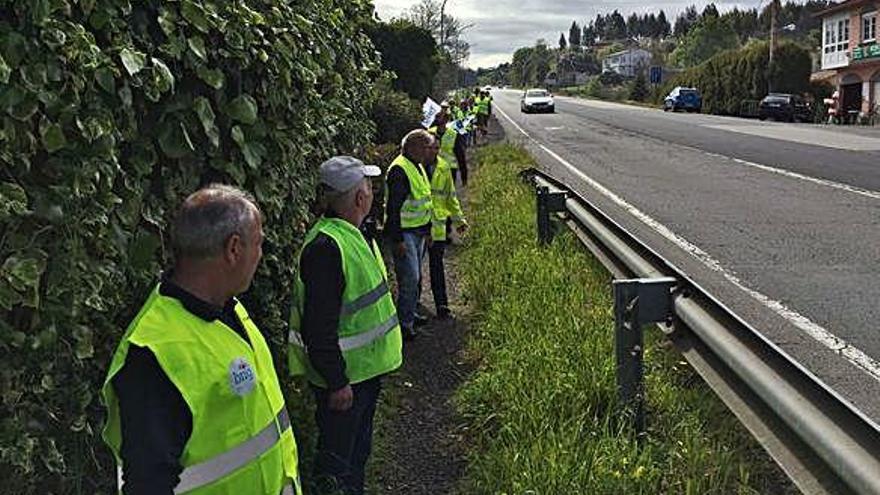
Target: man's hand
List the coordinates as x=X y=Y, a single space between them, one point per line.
x=400 y=249
x=341 y=400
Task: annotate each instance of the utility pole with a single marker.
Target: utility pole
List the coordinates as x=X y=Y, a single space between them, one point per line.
x=443 y=24
x=774 y=8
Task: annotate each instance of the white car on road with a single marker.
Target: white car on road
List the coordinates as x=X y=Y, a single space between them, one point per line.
x=537 y=100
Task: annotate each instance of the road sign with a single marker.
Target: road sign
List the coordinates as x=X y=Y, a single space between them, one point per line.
x=656 y=74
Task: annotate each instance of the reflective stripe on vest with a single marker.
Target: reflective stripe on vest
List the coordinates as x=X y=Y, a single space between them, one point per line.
x=241 y=440
x=368 y=333
x=416 y=209
x=213 y=469
x=365 y=300
x=355 y=341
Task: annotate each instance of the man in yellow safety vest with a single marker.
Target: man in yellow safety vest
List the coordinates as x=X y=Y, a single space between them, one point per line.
x=344 y=333
x=408 y=222
x=194 y=405
x=447 y=214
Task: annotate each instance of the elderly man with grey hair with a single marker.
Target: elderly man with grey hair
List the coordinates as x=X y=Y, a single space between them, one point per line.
x=344 y=333
x=193 y=400
x=408 y=212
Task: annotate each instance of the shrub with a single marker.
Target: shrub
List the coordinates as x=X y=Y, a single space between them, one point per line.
x=394 y=114
x=639 y=89
x=728 y=78
x=112 y=111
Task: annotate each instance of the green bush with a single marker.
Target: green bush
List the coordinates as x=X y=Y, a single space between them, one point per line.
x=638 y=90
x=112 y=111
x=394 y=114
x=728 y=78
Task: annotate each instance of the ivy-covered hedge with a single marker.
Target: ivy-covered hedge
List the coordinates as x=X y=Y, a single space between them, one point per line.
x=111 y=111
x=731 y=77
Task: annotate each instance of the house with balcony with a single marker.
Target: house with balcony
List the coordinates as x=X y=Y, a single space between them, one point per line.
x=851 y=54
x=628 y=62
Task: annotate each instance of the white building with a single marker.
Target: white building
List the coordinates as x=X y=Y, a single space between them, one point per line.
x=628 y=62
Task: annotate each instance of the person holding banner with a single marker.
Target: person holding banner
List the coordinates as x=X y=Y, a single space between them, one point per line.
x=452 y=146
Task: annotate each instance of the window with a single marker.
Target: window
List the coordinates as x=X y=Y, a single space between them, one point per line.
x=836 y=35
x=869 y=27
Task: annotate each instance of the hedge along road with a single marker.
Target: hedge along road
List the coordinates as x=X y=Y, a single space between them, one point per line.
x=795 y=254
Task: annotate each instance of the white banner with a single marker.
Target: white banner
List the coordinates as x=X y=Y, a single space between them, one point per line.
x=460 y=126
x=429 y=110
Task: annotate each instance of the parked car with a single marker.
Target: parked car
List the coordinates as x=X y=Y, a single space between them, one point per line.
x=785 y=107
x=682 y=98
x=537 y=100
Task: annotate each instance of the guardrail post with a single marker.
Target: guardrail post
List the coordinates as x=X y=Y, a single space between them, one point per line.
x=547 y=204
x=637 y=302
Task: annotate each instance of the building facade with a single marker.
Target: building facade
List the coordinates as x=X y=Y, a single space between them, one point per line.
x=850 y=50
x=628 y=62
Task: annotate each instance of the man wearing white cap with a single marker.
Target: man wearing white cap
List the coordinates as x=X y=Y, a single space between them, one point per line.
x=344 y=333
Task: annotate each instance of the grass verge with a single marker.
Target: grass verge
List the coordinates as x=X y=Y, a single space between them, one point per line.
x=541 y=405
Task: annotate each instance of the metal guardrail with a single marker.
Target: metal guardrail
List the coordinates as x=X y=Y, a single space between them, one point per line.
x=822 y=442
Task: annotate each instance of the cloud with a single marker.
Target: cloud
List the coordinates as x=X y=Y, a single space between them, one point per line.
x=502 y=26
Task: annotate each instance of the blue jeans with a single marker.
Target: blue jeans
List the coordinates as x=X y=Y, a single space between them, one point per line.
x=345 y=439
x=409 y=277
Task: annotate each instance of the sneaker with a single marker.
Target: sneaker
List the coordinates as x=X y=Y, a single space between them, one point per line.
x=420 y=321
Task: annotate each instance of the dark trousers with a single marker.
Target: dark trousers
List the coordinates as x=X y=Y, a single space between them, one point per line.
x=438 y=274
x=460 y=169
x=345 y=439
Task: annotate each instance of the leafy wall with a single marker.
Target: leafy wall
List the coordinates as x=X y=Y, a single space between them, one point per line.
x=111 y=111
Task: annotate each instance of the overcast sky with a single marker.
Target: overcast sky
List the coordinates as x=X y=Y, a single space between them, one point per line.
x=502 y=26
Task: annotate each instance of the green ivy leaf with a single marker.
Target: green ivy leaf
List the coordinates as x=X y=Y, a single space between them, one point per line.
x=133 y=61
x=174 y=140
x=243 y=109
x=238 y=135
x=212 y=77
x=87 y=6
x=23 y=274
x=164 y=78
x=197 y=45
x=167 y=21
x=253 y=154
x=5 y=71
x=206 y=116
x=13 y=201
x=83 y=347
x=125 y=95
x=104 y=77
x=40 y=10
x=143 y=157
x=195 y=15
x=52 y=136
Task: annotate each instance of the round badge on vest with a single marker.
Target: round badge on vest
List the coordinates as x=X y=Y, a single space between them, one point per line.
x=242 y=377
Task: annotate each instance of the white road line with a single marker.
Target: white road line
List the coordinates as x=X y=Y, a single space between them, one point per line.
x=814 y=330
x=773 y=170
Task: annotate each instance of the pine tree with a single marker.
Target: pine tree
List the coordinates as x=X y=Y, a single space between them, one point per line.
x=639 y=90
x=663 y=25
x=574 y=35
x=562 y=43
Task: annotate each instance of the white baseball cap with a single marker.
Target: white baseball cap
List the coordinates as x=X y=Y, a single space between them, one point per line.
x=341 y=173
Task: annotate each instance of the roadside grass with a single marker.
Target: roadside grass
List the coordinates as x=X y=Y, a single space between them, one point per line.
x=541 y=405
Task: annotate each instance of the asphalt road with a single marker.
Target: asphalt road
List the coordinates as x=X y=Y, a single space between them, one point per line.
x=778 y=221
